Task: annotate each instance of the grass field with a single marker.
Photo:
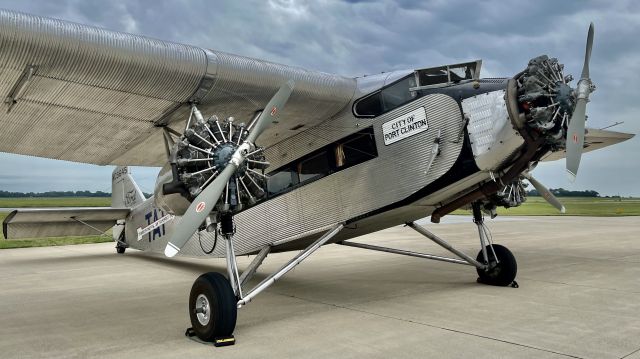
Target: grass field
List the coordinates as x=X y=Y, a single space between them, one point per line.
x=575 y=206
x=55 y=202
x=534 y=206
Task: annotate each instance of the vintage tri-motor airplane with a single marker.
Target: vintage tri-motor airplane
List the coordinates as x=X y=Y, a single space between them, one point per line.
x=296 y=159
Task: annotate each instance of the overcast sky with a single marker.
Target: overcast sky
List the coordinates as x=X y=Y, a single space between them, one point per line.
x=363 y=37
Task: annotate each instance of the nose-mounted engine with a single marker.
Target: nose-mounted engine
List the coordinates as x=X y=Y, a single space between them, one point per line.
x=198 y=157
x=546 y=99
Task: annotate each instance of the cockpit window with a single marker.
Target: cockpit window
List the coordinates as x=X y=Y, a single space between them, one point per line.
x=447 y=75
x=411 y=86
x=387 y=99
x=399 y=93
x=369 y=106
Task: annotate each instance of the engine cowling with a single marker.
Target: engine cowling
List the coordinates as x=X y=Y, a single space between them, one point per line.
x=199 y=155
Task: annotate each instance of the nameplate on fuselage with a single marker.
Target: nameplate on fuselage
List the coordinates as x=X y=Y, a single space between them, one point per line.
x=405 y=126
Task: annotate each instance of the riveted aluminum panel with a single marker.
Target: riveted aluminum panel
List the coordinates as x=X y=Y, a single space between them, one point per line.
x=493 y=137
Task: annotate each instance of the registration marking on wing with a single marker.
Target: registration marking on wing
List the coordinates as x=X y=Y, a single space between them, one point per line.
x=405 y=126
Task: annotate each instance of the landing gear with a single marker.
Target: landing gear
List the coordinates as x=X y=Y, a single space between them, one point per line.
x=501 y=267
x=212 y=307
x=495 y=264
x=214 y=301
x=118 y=237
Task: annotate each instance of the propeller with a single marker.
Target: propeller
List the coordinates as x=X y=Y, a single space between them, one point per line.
x=204 y=203
x=575 y=132
x=544 y=191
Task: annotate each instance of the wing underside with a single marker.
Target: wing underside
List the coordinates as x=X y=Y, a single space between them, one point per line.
x=40 y=223
x=85 y=94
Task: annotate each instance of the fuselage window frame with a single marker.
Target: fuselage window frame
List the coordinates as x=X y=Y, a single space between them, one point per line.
x=327 y=158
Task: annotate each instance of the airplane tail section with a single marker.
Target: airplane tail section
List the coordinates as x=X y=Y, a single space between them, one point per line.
x=125 y=193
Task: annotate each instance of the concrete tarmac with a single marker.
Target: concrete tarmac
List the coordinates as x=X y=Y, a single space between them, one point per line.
x=579 y=297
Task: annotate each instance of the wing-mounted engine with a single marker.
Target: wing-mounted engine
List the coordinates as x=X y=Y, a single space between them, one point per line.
x=199 y=156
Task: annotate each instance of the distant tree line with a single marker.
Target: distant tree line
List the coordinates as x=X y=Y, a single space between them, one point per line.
x=561 y=192
x=7 y=194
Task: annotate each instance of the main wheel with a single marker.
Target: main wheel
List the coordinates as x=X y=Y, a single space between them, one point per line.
x=212 y=307
x=120 y=249
x=500 y=273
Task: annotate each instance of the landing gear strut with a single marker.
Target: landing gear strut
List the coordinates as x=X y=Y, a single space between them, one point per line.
x=500 y=264
x=214 y=300
x=495 y=264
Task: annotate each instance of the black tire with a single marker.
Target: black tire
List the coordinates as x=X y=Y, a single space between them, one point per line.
x=499 y=274
x=120 y=249
x=222 y=303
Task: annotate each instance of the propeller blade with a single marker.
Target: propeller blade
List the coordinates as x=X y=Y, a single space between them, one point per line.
x=271 y=111
x=575 y=139
x=587 y=54
x=545 y=193
x=204 y=203
x=575 y=132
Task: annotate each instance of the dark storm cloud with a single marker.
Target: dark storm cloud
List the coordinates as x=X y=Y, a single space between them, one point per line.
x=363 y=37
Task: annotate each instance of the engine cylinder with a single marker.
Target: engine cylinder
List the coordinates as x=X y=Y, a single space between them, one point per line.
x=199 y=156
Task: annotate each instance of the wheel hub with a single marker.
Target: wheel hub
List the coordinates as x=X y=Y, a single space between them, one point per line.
x=203 y=310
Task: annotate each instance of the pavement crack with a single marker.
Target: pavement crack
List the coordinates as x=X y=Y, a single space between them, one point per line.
x=439 y=327
x=630 y=354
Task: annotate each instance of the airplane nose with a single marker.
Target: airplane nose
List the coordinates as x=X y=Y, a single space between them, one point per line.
x=546 y=99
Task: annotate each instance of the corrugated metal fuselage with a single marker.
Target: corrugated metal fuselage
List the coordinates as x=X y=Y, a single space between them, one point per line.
x=390 y=189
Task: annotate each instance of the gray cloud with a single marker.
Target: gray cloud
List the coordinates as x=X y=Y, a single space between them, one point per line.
x=363 y=37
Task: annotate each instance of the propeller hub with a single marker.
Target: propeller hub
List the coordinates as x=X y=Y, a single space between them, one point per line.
x=565 y=97
x=584 y=89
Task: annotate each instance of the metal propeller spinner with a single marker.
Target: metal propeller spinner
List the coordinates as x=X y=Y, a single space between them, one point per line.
x=210 y=194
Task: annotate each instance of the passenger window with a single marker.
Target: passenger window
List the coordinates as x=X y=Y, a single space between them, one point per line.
x=356 y=149
x=348 y=151
x=282 y=180
x=313 y=167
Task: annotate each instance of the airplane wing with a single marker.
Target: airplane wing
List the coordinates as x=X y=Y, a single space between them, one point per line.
x=594 y=140
x=56 y=222
x=85 y=94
